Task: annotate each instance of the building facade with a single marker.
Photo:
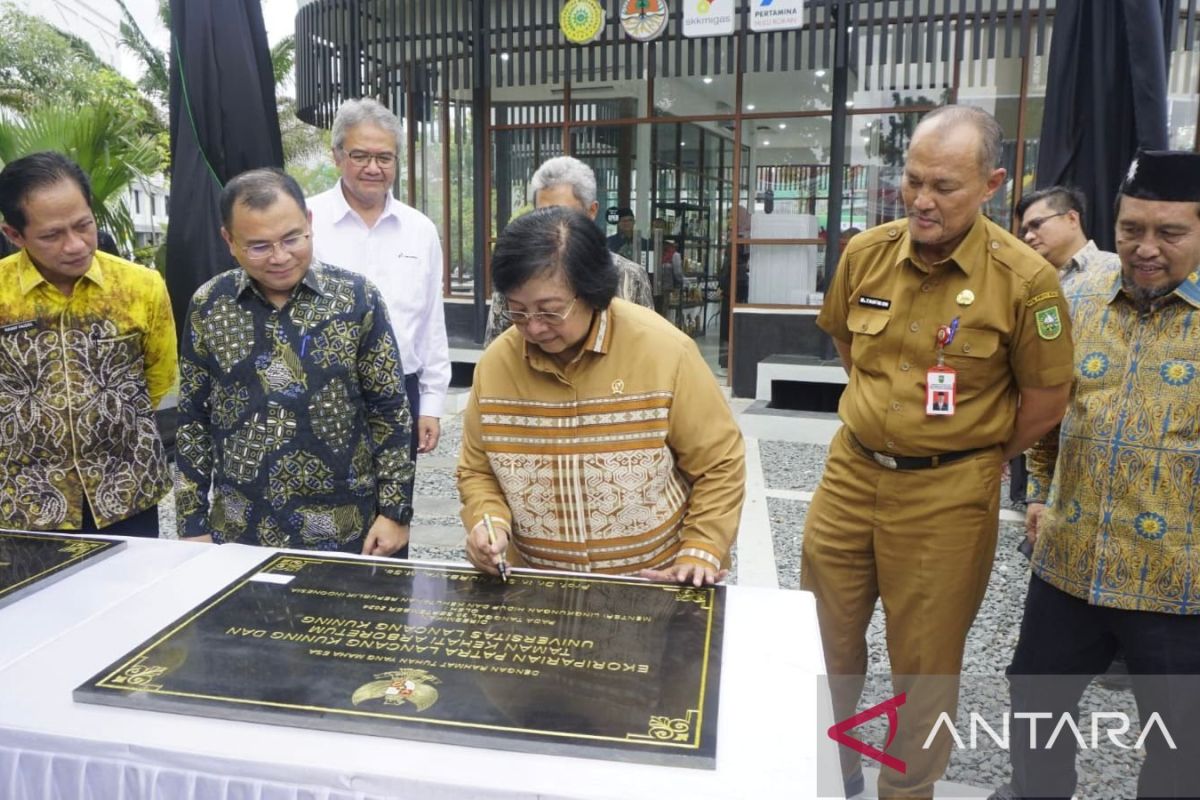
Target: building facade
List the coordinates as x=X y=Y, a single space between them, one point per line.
x=147 y=200
x=746 y=156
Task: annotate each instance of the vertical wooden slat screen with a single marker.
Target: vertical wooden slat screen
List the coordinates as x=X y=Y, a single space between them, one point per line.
x=351 y=47
x=1188 y=39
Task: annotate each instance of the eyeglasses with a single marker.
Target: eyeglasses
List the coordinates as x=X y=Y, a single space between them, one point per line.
x=361 y=158
x=545 y=317
x=264 y=250
x=1036 y=224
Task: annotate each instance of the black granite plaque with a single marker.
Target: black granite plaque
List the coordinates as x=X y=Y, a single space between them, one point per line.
x=573 y=665
x=32 y=561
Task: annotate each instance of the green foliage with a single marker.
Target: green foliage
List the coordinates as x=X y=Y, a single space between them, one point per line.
x=155 y=81
x=37 y=61
x=55 y=94
x=283 y=58
x=301 y=142
x=152 y=255
x=314 y=175
x=103 y=138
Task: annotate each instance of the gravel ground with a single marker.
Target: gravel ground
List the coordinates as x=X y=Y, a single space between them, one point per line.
x=1107 y=773
x=793 y=466
x=787 y=526
x=451 y=439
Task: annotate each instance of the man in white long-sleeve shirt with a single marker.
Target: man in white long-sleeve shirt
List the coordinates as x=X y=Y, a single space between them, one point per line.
x=359 y=225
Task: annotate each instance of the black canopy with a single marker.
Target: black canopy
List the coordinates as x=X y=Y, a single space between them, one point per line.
x=1105 y=98
x=223 y=122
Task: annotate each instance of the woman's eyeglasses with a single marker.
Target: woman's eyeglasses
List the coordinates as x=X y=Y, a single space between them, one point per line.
x=545 y=317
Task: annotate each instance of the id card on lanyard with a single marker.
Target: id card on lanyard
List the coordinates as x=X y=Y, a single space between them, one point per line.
x=941 y=382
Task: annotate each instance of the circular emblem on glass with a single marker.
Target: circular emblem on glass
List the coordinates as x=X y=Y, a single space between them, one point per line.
x=644 y=20
x=581 y=21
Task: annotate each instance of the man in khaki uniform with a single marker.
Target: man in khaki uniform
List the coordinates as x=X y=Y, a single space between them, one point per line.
x=908 y=508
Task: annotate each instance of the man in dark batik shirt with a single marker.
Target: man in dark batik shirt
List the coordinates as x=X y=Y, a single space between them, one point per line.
x=292 y=404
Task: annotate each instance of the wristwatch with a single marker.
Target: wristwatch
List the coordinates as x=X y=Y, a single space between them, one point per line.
x=403 y=516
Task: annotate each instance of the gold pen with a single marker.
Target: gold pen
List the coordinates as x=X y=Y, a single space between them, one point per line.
x=503 y=565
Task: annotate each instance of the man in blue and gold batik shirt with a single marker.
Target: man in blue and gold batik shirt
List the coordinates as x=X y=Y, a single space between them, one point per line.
x=1114 y=515
x=292 y=404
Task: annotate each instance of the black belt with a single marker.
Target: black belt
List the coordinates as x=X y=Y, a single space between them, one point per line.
x=912 y=462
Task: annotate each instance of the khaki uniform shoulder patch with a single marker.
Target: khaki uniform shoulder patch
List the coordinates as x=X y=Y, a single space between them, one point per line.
x=1049 y=322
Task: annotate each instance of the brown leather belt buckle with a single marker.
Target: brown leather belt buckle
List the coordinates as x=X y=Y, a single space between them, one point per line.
x=885 y=461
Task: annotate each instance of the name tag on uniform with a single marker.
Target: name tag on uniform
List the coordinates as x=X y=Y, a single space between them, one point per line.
x=940 y=389
x=17 y=327
x=875 y=302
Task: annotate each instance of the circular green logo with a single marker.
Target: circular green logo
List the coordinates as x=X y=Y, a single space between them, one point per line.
x=581 y=21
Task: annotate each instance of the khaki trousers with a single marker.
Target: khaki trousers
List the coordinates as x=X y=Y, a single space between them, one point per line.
x=923 y=541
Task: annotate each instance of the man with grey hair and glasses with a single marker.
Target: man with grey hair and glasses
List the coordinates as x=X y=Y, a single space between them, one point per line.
x=566 y=181
x=361 y=226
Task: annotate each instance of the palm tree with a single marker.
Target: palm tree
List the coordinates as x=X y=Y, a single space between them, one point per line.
x=155 y=83
x=300 y=140
x=102 y=138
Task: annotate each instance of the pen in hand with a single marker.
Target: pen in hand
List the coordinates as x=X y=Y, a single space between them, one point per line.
x=503 y=565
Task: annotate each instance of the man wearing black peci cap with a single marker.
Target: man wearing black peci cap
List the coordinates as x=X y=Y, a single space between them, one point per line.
x=1116 y=561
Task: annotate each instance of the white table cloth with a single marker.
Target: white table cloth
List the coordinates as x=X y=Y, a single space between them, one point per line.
x=769 y=736
x=74 y=599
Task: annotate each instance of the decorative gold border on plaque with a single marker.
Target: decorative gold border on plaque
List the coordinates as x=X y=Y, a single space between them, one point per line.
x=694 y=718
x=139 y=675
x=701 y=597
x=669 y=729
x=292 y=565
x=75 y=548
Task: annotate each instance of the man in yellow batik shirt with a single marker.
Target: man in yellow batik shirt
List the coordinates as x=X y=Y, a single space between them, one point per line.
x=1114 y=519
x=87 y=351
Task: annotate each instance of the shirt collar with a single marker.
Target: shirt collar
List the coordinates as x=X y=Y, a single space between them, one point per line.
x=1085 y=256
x=1188 y=291
x=342 y=209
x=1077 y=261
x=600 y=333
x=29 y=278
x=965 y=256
